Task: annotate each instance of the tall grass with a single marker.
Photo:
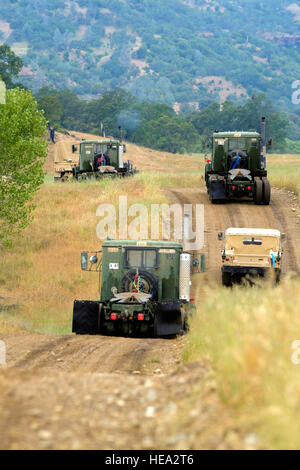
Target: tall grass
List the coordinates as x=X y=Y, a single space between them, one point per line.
x=284 y=172
x=247 y=336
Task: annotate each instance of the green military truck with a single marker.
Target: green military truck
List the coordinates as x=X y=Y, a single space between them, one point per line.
x=93 y=159
x=144 y=289
x=237 y=168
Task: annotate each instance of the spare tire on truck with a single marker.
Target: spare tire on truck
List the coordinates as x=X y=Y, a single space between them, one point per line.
x=148 y=281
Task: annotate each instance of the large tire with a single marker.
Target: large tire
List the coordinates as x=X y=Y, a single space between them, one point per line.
x=266 y=192
x=150 y=280
x=226 y=279
x=86 y=317
x=258 y=197
x=169 y=319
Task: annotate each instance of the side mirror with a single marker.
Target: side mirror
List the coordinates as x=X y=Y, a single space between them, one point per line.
x=283 y=237
x=74 y=148
x=93 y=259
x=84 y=261
x=270 y=142
x=199 y=263
x=220 y=236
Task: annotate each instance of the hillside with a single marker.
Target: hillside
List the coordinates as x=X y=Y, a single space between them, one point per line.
x=187 y=53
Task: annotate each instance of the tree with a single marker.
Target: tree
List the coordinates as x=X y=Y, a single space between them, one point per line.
x=49 y=102
x=10 y=65
x=23 y=150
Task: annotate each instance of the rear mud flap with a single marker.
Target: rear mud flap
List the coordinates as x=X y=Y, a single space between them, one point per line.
x=217 y=190
x=168 y=319
x=86 y=317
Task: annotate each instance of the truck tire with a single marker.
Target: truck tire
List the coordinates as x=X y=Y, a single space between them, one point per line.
x=258 y=197
x=226 y=279
x=169 y=319
x=266 y=192
x=86 y=315
x=149 y=278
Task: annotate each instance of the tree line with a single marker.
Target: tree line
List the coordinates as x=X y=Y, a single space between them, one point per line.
x=157 y=125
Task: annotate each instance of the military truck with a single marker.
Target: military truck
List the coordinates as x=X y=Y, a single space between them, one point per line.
x=92 y=159
x=144 y=289
x=250 y=253
x=237 y=168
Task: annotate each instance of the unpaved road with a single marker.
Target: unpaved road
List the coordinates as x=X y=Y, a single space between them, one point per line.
x=67 y=392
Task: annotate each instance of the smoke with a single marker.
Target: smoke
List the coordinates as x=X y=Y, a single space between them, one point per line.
x=129 y=120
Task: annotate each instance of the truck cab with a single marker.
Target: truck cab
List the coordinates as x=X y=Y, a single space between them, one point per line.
x=144 y=288
x=249 y=253
x=104 y=156
x=91 y=158
x=237 y=168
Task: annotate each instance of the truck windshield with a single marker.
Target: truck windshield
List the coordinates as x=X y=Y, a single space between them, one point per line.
x=141 y=258
x=237 y=144
x=100 y=148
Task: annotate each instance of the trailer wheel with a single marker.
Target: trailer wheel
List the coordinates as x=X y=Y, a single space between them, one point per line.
x=258 y=191
x=266 y=192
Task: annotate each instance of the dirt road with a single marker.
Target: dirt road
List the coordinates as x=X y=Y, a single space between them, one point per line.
x=66 y=392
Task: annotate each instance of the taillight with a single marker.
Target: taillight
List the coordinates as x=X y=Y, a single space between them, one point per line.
x=141 y=316
x=113 y=316
x=233 y=188
x=249 y=188
x=192 y=300
x=207 y=161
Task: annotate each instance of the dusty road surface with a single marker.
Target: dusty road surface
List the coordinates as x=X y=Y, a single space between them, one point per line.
x=88 y=392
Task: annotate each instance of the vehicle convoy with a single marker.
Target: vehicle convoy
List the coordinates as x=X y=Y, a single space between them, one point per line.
x=250 y=253
x=238 y=167
x=144 y=289
x=91 y=159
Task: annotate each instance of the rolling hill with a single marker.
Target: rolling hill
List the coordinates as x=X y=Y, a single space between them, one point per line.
x=186 y=53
